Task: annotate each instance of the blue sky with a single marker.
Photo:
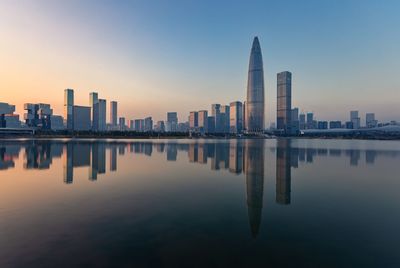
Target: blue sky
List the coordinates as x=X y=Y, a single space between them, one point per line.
x=159 y=56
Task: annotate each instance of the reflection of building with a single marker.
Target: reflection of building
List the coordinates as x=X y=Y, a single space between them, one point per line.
x=235 y=156
x=68 y=165
x=254 y=169
x=113 y=158
x=283 y=175
x=172 y=152
x=98 y=165
x=193 y=152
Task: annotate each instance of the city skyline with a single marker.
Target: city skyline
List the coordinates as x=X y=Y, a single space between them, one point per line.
x=332 y=65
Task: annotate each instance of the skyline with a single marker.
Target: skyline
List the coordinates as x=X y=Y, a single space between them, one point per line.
x=127 y=57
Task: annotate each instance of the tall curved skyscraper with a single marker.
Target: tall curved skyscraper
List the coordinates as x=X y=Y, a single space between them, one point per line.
x=255 y=90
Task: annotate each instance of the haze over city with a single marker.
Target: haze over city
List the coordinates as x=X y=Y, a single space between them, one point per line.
x=156 y=58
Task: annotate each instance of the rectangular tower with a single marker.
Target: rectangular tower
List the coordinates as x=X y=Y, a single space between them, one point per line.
x=102 y=115
x=94 y=104
x=69 y=108
x=114 y=113
x=284 y=101
x=236 y=117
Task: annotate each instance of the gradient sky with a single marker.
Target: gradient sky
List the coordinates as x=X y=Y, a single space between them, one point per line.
x=159 y=56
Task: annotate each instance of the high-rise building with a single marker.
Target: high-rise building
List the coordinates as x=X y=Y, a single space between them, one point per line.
x=102 y=115
x=295 y=126
x=69 y=108
x=311 y=123
x=226 y=118
x=355 y=119
x=5 y=109
x=172 y=122
x=82 y=118
x=203 y=121
x=138 y=125
x=302 y=121
x=193 y=121
x=236 y=117
x=255 y=90
x=216 y=113
x=38 y=115
x=160 y=126
x=94 y=104
x=148 y=124
x=370 y=121
x=113 y=113
x=122 y=126
x=211 y=124
x=284 y=102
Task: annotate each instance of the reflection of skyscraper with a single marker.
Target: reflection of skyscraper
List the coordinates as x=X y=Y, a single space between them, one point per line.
x=202 y=153
x=283 y=175
x=236 y=156
x=68 y=165
x=113 y=158
x=254 y=169
x=94 y=167
x=172 y=152
x=193 y=148
x=255 y=90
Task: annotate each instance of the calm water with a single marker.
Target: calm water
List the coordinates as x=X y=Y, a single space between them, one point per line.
x=200 y=203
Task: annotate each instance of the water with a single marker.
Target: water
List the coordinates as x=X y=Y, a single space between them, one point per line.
x=199 y=203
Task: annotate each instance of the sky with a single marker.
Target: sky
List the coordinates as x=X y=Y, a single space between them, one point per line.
x=159 y=56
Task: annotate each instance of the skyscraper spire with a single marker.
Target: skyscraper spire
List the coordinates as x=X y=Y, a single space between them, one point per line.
x=255 y=90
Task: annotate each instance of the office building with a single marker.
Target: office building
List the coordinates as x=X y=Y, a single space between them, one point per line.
x=148 y=124
x=284 y=102
x=94 y=104
x=38 y=115
x=114 y=114
x=57 y=122
x=295 y=123
x=5 y=109
x=11 y=121
x=302 y=121
x=311 y=123
x=335 y=124
x=172 y=122
x=131 y=124
x=370 y=121
x=216 y=113
x=69 y=108
x=193 y=121
x=82 y=118
x=211 y=124
x=322 y=124
x=203 y=121
x=255 y=90
x=137 y=125
x=236 y=117
x=355 y=119
x=160 y=126
x=102 y=115
x=225 y=116
x=122 y=126
x=349 y=125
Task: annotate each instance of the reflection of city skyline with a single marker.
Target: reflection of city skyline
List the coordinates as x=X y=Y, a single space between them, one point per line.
x=237 y=156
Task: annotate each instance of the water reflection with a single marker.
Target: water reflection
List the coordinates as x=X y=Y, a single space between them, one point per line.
x=236 y=156
x=254 y=169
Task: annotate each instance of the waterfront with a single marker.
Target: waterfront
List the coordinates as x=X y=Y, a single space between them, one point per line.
x=249 y=202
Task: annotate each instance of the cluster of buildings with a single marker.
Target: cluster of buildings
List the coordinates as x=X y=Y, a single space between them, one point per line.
x=236 y=118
